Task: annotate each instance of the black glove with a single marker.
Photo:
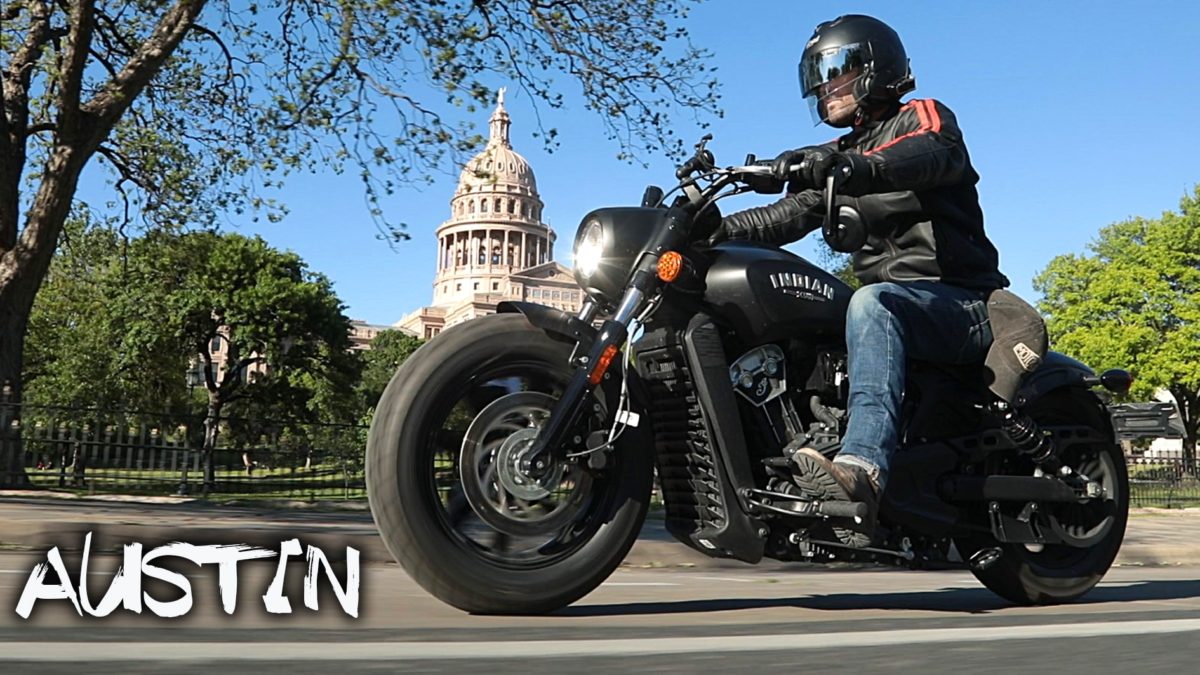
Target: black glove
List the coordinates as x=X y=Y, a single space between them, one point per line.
x=783 y=164
x=764 y=184
x=856 y=176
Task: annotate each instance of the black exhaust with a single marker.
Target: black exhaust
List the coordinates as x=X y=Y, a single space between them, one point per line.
x=1007 y=489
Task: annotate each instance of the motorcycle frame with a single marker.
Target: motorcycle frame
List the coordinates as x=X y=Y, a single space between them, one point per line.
x=743 y=534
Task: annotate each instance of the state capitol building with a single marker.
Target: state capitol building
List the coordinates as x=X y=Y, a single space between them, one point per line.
x=494 y=246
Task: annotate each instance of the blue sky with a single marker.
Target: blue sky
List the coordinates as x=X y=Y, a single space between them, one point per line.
x=1076 y=114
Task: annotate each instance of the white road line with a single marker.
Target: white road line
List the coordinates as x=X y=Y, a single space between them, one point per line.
x=541 y=649
x=638 y=583
x=740 y=581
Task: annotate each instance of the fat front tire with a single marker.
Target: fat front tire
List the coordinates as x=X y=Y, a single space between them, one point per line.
x=1053 y=574
x=451 y=508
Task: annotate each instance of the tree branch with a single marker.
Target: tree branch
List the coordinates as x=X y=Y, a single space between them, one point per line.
x=116 y=97
x=74 y=61
x=12 y=11
x=14 y=115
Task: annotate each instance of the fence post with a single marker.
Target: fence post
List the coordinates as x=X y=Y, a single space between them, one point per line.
x=184 y=490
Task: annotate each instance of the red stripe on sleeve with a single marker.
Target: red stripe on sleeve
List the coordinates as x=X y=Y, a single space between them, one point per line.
x=934 y=117
x=927 y=116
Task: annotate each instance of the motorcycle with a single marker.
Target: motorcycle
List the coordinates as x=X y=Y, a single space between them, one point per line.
x=511 y=459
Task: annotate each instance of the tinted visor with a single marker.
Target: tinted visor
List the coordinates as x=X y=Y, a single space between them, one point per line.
x=819 y=68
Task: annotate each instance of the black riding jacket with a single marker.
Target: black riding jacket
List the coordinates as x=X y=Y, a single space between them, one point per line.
x=920 y=205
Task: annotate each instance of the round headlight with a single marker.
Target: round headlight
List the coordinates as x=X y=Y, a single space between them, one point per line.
x=590 y=249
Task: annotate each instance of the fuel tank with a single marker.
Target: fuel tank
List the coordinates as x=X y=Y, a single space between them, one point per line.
x=768 y=294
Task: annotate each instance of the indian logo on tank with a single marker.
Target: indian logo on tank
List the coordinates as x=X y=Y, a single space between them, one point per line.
x=802 y=286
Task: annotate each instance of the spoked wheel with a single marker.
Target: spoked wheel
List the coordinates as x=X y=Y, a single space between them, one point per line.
x=1092 y=529
x=453 y=490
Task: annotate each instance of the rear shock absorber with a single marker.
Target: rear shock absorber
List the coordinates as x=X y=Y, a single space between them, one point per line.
x=1024 y=433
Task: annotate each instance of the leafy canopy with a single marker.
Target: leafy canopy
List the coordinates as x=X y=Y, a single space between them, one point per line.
x=120 y=326
x=257 y=89
x=1135 y=303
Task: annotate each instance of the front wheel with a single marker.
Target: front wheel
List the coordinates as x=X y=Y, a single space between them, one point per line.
x=1031 y=574
x=455 y=502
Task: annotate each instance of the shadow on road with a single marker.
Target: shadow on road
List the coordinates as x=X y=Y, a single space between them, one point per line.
x=959 y=600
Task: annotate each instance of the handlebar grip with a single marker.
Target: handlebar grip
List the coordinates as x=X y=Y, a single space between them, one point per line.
x=837 y=509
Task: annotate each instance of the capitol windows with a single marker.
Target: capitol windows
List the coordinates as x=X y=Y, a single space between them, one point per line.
x=511 y=205
x=471 y=205
x=495 y=285
x=483 y=206
x=497 y=205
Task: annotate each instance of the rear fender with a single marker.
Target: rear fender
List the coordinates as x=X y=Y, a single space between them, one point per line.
x=1057 y=370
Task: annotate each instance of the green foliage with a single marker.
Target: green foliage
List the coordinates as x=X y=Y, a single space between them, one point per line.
x=839 y=265
x=389 y=350
x=1135 y=303
x=76 y=355
x=119 y=326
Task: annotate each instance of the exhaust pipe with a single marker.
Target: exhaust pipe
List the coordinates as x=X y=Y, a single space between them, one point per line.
x=1007 y=489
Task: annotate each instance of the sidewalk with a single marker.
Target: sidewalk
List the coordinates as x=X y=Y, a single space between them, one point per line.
x=33 y=520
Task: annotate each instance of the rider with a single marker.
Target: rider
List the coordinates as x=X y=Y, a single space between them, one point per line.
x=927 y=267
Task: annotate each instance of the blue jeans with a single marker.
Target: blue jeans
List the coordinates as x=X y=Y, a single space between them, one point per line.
x=887 y=324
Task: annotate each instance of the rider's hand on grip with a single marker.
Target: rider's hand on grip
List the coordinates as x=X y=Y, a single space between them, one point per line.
x=768 y=184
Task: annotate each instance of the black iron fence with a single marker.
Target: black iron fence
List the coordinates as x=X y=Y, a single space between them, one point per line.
x=95 y=451
x=1163 y=482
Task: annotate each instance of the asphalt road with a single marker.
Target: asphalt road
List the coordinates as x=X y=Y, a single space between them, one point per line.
x=868 y=620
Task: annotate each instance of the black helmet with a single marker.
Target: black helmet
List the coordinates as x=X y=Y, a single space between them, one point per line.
x=857 y=51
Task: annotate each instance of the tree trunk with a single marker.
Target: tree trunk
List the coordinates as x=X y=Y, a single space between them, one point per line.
x=1188 y=404
x=212 y=427
x=12 y=346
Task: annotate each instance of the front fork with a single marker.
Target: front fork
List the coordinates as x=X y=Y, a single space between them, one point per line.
x=589 y=373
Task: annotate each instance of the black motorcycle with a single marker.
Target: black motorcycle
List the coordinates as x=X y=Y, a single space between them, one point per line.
x=511 y=459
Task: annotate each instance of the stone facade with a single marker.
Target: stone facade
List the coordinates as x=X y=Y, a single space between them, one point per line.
x=494 y=246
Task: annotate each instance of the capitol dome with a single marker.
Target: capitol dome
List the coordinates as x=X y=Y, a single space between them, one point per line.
x=495 y=227
x=498 y=165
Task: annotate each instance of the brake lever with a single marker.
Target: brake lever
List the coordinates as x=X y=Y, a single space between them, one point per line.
x=832 y=183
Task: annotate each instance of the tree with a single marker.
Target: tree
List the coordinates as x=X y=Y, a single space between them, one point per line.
x=198 y=107
x=389 y=349
x=275 y=324
x=1135 y=303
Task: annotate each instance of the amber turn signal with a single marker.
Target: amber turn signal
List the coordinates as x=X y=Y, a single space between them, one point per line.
x=669 y=266
x=606 y=358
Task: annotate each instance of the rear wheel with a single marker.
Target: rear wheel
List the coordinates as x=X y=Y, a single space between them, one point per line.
x=1035 y=574
x=451 y=489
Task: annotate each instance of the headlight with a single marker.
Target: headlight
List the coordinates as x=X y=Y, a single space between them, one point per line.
x=589 y=250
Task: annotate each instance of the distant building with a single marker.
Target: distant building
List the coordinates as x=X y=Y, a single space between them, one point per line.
x=361 y=334
x=494 y=246
x=1165 y=448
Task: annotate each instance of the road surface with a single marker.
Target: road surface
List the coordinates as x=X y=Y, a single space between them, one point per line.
x=646 y=620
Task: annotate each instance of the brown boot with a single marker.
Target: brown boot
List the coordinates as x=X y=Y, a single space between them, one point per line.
x=821 y=479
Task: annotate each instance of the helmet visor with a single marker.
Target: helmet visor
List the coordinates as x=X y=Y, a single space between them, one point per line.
x=822 y=68
x=831 y=74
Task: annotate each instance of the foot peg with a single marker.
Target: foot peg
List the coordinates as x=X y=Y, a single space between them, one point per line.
x=856 y=511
